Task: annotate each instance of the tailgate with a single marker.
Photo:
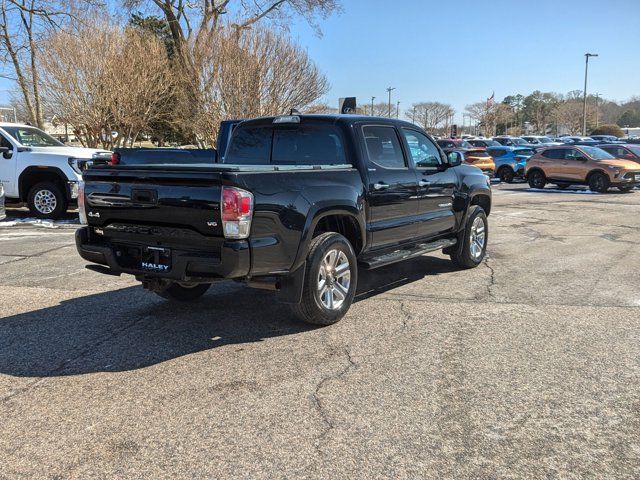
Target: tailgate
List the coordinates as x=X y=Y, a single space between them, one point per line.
x=170 y=207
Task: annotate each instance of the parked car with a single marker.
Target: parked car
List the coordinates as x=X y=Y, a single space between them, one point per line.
x=586 y=141
x=626 y=152
x=39 y=170
x=3 y=213
x=513 y=142
x=606 y=138
x=448 y=144
x=298 y=203
x=581 y=165
x=478 y=158
x=483 y=143
x=540 y=140
x=509 y=161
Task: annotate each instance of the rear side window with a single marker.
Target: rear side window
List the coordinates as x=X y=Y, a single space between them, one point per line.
x=296 y=145
x=554 y=153
x=383 y=146
x=477 y=154
x=497 y=152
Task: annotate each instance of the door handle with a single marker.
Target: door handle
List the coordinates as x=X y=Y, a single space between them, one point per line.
x=424 y=183
x=380 y=186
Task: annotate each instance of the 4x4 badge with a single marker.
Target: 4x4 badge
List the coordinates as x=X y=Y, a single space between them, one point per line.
x=92 y=214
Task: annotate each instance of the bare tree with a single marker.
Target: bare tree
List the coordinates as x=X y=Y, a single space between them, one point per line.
x=23 y=24
x=431 y=115
x=249 y=73
x=94 y=80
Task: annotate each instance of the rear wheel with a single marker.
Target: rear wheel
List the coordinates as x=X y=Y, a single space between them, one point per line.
x=46 y=200
x=330 y=280
x=599 y=182
x=536 y=179
x=184 y=292
x=505 y=174
x=472 y=246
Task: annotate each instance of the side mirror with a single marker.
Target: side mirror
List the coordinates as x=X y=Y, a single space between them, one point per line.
x=581 y=159
x=6 y=152
x=454 y=158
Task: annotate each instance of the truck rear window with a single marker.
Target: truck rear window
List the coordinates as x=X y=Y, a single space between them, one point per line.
x=286 y=145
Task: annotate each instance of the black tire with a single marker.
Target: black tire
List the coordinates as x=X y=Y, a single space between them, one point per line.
x=47 y=200
x=599 y=182
x=536 y=179
x=312 y=309
x=625 y=189
x=464 y=256
x=184 y=293
x=505 y=174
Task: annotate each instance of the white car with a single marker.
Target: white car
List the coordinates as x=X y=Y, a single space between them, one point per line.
x=38 y=169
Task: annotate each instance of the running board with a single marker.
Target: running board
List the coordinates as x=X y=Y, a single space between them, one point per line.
x=404 y=254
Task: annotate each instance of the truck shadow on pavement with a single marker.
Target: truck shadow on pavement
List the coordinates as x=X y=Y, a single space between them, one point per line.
x=130 y=328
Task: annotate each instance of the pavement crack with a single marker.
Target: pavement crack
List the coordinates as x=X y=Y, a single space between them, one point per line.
x=492 y=278
x=406 y=316
x=320 y=404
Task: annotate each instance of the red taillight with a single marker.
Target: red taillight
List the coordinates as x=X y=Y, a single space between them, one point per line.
x=236 y=210
x=115 y=158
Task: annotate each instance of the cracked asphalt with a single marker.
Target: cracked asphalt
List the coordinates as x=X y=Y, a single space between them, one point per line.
x=525 y=367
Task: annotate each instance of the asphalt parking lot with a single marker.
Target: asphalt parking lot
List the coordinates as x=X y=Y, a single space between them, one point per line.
x=526 y=367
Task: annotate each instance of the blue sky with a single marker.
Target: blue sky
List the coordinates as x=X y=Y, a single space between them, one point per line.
x=460 y=52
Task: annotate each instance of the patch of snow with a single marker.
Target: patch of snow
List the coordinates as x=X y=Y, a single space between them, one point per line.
x=37 y=222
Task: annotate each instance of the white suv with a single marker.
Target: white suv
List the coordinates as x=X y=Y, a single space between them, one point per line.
x=38 y=169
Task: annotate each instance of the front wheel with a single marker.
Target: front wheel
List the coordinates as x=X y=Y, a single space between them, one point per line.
x=184 y=292
x=46 y=200
x=472 y=247
x=330 y=280
x=599 y=182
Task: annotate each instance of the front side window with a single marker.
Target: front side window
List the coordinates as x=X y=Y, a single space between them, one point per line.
x=383 y=146
x=422 y=150
x=32 y=137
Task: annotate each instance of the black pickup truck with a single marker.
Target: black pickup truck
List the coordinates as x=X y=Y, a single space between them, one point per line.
x=297 y=204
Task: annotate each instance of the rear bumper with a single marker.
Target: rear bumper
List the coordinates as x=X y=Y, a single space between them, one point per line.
x=186 y=265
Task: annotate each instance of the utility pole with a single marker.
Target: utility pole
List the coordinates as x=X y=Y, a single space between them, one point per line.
x=397 y=110
x=584 y=101
x=389 y=90
x=413 y=115
x=597 y=99
x=372 y=99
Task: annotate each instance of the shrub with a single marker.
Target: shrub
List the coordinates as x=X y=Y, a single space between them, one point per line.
x=608 y=130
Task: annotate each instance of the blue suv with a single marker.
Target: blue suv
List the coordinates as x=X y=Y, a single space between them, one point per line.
x=510 y=161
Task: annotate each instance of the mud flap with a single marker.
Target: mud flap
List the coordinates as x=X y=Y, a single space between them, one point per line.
x=291 y=286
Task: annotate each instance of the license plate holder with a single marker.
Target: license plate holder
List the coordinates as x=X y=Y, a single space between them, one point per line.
x=155 y=259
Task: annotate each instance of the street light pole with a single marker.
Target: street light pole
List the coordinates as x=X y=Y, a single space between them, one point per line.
x=397 y=110
x=597 y=101
x=584 y=102
x=372 y=99
x=389 y=90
